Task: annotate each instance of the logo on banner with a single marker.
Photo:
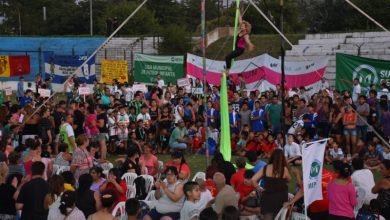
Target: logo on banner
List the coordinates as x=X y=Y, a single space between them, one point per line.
x=315 y=169
x=366 y=74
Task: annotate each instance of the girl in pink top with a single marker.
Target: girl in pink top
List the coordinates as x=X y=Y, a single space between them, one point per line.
x=90 y=122
x=149 y=161
x=342 y=194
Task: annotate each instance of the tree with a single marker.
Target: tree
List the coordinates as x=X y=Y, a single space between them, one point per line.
x=176 y=40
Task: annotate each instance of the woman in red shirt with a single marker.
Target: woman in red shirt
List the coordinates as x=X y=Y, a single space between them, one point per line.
x=116 y=184
x=179 y=162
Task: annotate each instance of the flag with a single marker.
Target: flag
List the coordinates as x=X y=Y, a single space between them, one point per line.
x=312 y=163
x=14 y=66
x=225 y=146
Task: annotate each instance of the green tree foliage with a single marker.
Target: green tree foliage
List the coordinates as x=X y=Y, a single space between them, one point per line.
x=176 y=40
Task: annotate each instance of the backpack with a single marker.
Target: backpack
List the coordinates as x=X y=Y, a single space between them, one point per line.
x=140 y=187
x=366 y=214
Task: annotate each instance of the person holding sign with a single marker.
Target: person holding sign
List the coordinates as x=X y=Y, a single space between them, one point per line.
x=242 y=40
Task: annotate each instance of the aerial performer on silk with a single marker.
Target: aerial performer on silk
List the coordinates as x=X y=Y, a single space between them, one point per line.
x=243 y=39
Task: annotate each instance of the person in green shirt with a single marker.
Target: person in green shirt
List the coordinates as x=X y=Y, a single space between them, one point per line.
x=67 y=133
x=179 y=137
x=273 y=115
x=137 y=103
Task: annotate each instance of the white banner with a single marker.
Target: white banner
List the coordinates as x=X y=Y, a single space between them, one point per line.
x=44 y=92
x=183 y=82
x=140 y=87
x=84 y=90
x=312 y=163
x=8 y=91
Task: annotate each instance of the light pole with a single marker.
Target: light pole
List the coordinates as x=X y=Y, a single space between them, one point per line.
x=90 y=18
x=283 y=80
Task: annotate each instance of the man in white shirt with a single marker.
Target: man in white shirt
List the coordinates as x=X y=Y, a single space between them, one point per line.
x=160 y=82
x=363 y=179
x=356 y=90
x=292 y=151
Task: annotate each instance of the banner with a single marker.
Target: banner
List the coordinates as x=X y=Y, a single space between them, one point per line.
x=11 y=66
x=60 y=67
x=114 y=69
x=183 y=82
x=368 y=71
x=312 y=164
x=44 y=92
x=262 y=72
x=147 y=67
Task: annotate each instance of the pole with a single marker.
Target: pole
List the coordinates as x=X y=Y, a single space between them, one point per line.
x=20 y=23
x=283 y=80
x=203 y=27
x=44 y=13
x=90 y=18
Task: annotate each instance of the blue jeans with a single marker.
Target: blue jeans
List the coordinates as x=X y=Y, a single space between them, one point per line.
x=362 y=131
x=177 y=145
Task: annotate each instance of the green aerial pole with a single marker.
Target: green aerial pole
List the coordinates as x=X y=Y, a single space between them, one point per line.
x=225 y=147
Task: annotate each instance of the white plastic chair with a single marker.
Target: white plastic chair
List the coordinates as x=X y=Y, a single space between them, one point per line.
x=149 y=182
x=121 y=208
x=129 y=178
x=131 y=191
x=150 y=199
x=298 y=216
x=282 y=214
x=200 y=175
x=106 y=167
x=61 y=169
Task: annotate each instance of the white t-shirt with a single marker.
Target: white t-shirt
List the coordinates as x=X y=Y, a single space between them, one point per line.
x=144 y=117
x=298 y=124
x=356 y=92
x=292 y=150
x=189 y=211
x=336 y=153
x=364 y=179
x=205 y=197
x=160 y=83
x=177 y=115
x=69 y=130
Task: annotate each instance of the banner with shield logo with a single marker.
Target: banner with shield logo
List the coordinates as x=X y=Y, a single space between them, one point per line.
x=368 y=71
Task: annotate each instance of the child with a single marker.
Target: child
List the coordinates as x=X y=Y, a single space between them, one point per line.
x=190 y=210
x=335 y=153
x=386 y=153
x=249 y=199
x=371 y=157
x=241 y=41
x=163 y=141
x=132 y=208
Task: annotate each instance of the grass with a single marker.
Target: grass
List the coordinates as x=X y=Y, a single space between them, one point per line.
x=197 y=163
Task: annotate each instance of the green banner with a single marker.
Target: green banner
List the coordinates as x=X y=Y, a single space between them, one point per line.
x=147 y=67
x=368 y=71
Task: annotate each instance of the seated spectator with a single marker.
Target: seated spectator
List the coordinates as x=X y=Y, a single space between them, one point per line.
x=63 y=158
x=190 y=209
x=208 y=214
x=226 y=195
x=292 y=151
x=169 y=195
x=363 y=178
x=179 y=162
x=132 y=208
x=87 y=200
x=205 y=194
x=254 y=161
x=67 y=208
x=97 y=178
x=107 y=199
x=131 y=163
x=335 y=153
x=268 y=146
x=371 y=157
x=238 y=178
x=115 y=184
x=249 y=197
x=230 y=213
x=149 y=160
x=179 y=137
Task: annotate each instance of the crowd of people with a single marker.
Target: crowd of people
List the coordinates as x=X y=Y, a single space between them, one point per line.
x=131 y=129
